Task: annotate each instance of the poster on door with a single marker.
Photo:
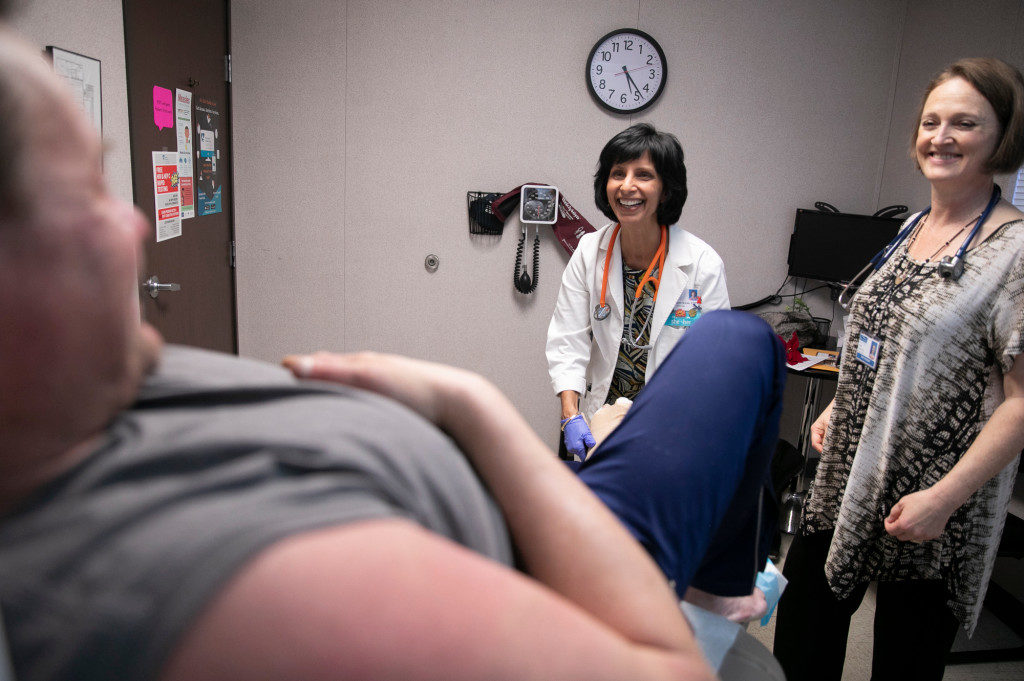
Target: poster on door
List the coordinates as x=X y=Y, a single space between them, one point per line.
x=207 y=175
x=186 y=190
x=165 y=185
x=183 y=126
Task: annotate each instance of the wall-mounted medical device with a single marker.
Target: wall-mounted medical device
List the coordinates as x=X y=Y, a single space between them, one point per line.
x=538 y=204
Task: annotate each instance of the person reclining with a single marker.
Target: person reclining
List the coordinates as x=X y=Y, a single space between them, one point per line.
x=180 y=514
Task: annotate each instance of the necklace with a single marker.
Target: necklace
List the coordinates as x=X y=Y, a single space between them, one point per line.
x=943 y=246
x=913 y=239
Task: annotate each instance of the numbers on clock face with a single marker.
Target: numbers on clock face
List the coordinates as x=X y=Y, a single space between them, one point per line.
x=626 y=71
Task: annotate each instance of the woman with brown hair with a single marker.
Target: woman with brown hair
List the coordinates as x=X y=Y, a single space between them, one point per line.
x=919 y=447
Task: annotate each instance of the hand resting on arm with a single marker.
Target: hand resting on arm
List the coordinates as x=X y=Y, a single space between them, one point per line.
x=387 y=599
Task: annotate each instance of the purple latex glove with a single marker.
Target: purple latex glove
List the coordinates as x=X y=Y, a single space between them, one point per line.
x=578 y=438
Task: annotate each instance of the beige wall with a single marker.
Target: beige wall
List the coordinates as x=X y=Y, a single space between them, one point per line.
x=390 y=110
x=93 y=28
x=359 y=125
x=937 y=34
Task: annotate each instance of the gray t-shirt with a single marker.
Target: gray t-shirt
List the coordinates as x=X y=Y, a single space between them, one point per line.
x=102 y=570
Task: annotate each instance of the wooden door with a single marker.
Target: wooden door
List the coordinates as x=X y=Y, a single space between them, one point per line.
x=184 y=46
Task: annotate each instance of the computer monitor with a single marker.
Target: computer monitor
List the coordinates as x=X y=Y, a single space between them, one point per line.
x=834 y=247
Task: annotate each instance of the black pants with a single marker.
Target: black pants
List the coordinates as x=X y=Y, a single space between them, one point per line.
x=914 y=629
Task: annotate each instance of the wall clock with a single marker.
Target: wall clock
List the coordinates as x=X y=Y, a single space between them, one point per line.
x=626 y=71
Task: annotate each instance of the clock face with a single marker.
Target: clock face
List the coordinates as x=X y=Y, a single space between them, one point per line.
x=626 y=71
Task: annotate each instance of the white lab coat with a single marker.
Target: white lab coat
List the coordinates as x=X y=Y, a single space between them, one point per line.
x=583 y=351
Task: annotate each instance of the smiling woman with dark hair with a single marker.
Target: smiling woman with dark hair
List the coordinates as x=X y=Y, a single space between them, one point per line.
x=665 y=153
x=631 y=289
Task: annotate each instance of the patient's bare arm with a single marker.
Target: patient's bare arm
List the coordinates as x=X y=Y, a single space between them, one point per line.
x=567 y=539
x=386 y=599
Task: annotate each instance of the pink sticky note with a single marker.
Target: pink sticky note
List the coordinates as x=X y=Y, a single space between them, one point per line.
x=163 y=107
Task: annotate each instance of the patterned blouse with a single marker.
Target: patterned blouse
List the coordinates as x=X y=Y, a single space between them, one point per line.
x=628 y=378
x=944 y=346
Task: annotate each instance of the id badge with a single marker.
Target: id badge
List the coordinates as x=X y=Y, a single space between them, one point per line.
x=687 y=310
x=867 y=350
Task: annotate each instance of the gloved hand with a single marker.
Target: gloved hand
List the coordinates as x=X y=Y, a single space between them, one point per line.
x=577 y=436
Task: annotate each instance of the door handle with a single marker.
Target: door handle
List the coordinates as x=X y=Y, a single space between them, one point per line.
x=154 y=287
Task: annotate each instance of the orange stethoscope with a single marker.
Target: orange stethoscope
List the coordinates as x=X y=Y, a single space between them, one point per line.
x=602 y=310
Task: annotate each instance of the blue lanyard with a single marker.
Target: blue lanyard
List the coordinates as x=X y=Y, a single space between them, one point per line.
x=948 y=268
x=885 y=253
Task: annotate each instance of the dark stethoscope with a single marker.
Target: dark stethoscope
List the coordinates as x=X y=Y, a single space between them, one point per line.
x=950 y=267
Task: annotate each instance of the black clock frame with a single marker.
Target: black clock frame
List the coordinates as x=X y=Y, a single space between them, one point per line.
x=590 y=57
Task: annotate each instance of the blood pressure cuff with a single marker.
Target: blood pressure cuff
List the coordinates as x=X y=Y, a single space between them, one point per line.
x=482 y=215
x=569 y=228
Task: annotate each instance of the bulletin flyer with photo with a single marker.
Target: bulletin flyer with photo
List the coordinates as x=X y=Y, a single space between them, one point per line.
x=186 y=133
x=168 y=201
x=208 y=186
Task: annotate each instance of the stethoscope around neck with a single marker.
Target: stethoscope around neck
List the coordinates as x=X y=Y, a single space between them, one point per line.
x=950 y=267
x=602 y=309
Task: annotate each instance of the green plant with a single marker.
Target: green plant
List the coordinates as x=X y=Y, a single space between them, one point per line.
x=799 y=306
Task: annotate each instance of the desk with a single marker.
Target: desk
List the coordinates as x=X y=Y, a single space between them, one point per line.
x=793 y=502
x=811 y=408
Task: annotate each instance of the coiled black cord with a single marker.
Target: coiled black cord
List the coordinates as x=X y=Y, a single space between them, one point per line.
x=536 y=262
x=519 y=261
x=521 y=280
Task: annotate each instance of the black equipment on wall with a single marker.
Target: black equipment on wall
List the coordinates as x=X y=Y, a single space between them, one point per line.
x=520 y=279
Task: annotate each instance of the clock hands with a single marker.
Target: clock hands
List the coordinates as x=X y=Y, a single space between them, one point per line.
x=626 y=71
x=631 y=82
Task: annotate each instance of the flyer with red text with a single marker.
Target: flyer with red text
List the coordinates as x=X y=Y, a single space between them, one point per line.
x=166 y=184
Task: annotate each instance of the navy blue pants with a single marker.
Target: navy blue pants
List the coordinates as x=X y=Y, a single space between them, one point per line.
x=687 y=470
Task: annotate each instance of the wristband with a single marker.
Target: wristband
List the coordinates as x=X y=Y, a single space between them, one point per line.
x=566 y=421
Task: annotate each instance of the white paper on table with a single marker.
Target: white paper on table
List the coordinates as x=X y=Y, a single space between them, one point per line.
x=809 y=362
